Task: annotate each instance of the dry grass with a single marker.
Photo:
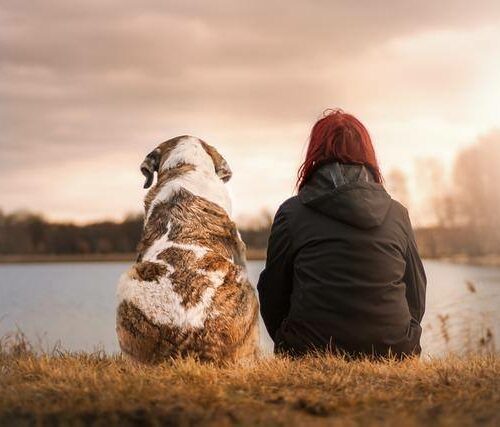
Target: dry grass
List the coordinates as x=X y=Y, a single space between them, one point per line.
x=95 y=389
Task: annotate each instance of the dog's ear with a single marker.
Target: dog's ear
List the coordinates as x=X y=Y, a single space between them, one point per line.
x=222 y=168
x=150 y=165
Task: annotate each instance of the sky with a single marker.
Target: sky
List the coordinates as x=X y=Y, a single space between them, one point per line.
x=87 y=88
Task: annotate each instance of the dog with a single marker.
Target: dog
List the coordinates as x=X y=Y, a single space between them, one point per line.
x=188 y=292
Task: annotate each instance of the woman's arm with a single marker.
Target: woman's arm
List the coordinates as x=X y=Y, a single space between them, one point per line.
x=415 y=279
x=275 y=282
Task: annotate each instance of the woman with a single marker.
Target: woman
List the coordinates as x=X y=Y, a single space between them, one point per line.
x=342 y=273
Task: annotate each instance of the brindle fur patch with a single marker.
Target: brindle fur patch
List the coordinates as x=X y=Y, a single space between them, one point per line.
x=198 y=221
x=184 y=258
x=192 y=220
x=189 y=285
x=149 y=271
x=213 y=261
x=186 y=280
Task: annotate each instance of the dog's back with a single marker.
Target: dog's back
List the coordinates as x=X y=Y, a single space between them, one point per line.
x=188 y=292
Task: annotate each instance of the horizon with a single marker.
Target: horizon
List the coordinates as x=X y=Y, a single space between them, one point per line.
x=87 y=90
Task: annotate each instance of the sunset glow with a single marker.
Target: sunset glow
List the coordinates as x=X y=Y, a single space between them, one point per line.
x=87 y=90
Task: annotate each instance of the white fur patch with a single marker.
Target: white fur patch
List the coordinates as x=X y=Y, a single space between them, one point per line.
x=164 y=242
x=190 y=150
x=162 y=305
x=202 y=182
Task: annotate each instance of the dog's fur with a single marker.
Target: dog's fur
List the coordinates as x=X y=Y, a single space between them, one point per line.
x=188 y=292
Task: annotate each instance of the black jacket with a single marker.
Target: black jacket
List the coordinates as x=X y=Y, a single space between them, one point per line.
x=342 y=270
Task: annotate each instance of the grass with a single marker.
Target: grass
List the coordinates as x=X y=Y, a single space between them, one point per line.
x=94 y=389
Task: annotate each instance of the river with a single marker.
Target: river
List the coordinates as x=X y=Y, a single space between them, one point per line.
x=72 y=305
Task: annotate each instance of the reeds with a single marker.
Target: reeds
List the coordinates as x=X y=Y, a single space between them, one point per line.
x=461 y=328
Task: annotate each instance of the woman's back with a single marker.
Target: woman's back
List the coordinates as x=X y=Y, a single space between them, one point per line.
x=342 y=268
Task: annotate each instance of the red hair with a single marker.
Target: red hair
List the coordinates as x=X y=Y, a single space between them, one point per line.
x=340 y=137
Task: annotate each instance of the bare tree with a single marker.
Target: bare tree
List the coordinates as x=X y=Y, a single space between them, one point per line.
x=439 y=195
x=397 y=186
x=477 y=177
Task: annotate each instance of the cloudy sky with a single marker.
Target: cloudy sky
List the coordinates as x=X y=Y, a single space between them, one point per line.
x=88 y=88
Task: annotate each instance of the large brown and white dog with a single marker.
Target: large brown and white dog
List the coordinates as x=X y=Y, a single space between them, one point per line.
x=188 y=292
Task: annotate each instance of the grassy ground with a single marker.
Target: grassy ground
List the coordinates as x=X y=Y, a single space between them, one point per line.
x=94 y=389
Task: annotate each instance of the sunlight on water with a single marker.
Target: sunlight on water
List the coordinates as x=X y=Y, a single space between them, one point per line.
x=73 y=304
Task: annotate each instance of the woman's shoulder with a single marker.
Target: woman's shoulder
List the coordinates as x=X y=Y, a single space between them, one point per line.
x=289 y=206
x=292 y=212
x=290 y=203
x=286 y=210
x=401 y=216
x=400 y=210
x=398 y=207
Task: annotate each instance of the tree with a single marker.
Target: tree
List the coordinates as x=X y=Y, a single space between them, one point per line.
x=477 y=177
x=440 y=200
x=397 y=186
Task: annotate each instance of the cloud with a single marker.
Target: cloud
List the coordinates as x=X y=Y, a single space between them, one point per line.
x=85 y=83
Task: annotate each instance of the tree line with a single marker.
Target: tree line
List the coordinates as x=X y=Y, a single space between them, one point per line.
x=466 y=215
x=25 y=233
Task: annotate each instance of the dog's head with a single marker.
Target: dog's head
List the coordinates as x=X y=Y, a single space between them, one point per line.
x=184 y=150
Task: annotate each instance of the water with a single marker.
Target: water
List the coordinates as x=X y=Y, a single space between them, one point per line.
x=73 y=305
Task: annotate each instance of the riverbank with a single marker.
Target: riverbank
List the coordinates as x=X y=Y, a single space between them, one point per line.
x=252 y=255
x=94 y=389
x=492 y=260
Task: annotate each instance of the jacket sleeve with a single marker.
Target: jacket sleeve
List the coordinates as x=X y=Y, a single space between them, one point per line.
x=275 y=282
x=415 y=279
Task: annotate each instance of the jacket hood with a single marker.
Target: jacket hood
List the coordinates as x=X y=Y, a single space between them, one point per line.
x=347 y=193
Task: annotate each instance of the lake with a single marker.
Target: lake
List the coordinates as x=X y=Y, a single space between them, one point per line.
x=73 y=305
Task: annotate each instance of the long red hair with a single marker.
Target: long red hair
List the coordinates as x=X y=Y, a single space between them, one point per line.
x=340 y=137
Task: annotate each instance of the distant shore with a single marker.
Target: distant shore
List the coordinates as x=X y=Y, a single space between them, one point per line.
x=492 y=260
x=252 y=255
